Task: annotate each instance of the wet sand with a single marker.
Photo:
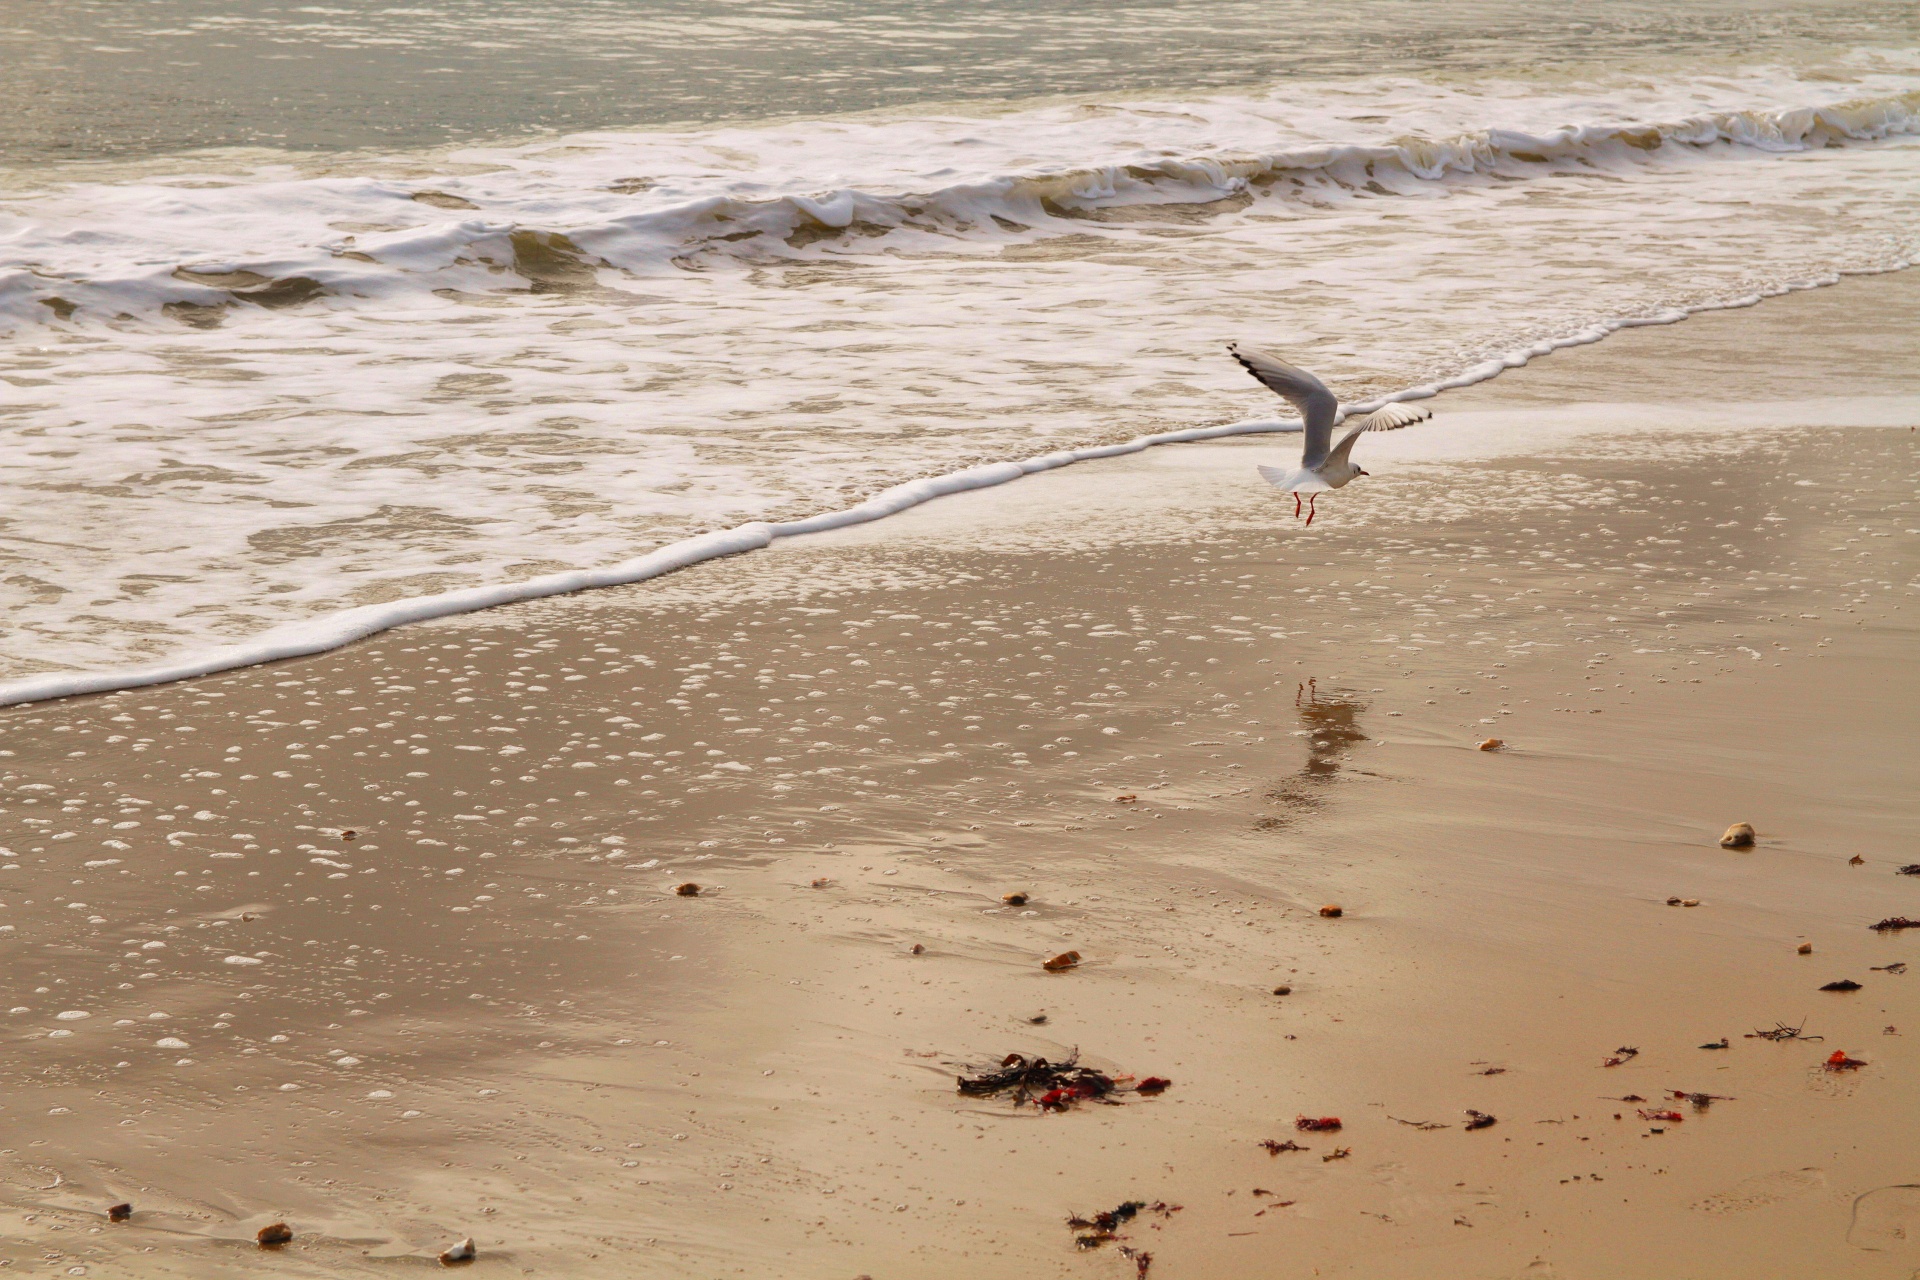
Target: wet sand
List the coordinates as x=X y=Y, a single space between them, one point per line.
x=1679 y=609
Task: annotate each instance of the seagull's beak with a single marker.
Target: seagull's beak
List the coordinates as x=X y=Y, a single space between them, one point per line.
x=1364 y=473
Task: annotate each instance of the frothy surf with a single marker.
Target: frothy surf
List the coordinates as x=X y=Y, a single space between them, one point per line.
x=263 y=414
x=145 y=249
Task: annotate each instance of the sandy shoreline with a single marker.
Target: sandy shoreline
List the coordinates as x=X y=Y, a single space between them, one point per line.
x=1682 y=612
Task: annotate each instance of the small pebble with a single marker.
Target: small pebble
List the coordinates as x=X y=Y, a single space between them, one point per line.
x=1014 y=899
x=1492 y=744
x=688 y=890
x=119 y=1212
x=273 y=1235
x=1283 y=990
x=1738 y=836
x=1805 y=948
x=459 y=1253
x=1332 y=912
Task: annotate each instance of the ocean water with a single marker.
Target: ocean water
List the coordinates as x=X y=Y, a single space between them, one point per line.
x=314 y=319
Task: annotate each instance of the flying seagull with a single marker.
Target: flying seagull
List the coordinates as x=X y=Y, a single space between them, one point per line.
x=1323 y=464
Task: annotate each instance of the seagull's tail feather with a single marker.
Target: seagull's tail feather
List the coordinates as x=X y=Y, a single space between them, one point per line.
x=1296 y=481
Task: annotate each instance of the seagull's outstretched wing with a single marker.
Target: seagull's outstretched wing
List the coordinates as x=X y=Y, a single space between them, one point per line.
x=1300 y=389
x=1391 y=417
x=1386 y=418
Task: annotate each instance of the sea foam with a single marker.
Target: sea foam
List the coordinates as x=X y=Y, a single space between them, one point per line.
x=260 y=414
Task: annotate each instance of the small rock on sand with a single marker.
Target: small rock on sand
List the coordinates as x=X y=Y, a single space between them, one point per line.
x=688 y=890
x=274 y=1234
x=1738 y=836
x=459 y=1253
x=1332 y=912
x=1492 y=744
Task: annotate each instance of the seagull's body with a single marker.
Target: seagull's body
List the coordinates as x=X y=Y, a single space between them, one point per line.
x=1324 y=465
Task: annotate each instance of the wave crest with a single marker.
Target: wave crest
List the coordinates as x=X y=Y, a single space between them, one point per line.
x=664 y=235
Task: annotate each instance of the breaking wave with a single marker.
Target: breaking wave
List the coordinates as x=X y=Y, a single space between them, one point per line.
x=159 y=259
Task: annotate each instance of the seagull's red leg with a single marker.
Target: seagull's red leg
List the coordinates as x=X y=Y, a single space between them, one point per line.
x=1310 y=504
x=1296 y=504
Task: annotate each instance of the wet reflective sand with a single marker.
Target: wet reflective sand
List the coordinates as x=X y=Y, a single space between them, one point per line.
x=490 y=1013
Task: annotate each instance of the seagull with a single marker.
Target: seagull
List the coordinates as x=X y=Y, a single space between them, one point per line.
x=1321 y=467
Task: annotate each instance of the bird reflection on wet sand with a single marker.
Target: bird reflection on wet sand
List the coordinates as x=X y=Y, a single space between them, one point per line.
x=1331 y=722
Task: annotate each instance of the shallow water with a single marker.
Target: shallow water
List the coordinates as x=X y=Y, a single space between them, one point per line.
x=94 y=81
x=249 y=389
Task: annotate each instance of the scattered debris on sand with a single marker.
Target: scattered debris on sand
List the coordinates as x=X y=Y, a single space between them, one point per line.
x=1700 y=1101
x=1055 y=1086
x=1481 y=1120
x=1338 y=1153
x=1738 y=836
x=1425 y=1126
x=1670 y=1117
x=1104 y=1228
x=1625 y=1053
x=1894 y=923
x=1274 y=1147
x=1898 y=966
x=1911 y=869
x=1839 y=1061
x=1317 y=1124
x=1781 y=1031
x=1844 y=984
x=1721 y=1043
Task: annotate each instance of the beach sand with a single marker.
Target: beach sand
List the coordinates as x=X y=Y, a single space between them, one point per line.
x=1670 y=571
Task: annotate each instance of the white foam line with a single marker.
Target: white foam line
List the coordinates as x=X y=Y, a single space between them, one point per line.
x=301 y=639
